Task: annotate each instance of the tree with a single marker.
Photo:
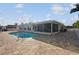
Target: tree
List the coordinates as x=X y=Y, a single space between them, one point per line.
x=76 y=24
x=75 y=9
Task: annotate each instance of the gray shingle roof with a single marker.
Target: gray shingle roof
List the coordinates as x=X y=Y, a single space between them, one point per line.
x=49 y=21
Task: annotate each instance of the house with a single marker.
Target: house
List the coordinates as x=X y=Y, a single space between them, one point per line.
x=48 y=26
x=11 y=27
x=43 y=27
x=3 y=28
x=0 y=28
x=27 y=27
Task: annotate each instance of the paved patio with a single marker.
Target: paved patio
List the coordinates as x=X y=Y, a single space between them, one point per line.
x=10 y=46
x=77 y=33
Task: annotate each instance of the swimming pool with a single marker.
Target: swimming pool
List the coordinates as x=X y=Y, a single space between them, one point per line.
x=22 y=34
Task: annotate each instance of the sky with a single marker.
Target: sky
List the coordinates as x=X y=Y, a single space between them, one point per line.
x=11 y=13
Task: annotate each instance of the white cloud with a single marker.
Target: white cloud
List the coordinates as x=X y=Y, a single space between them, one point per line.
x=19 y=5
x=72 y=5
x=64 y=21
x=6 y=21
x=25 y=19
x=48 y=17
x=75 y=18
x=58 y=9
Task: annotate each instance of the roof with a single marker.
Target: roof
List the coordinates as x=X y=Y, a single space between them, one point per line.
x=11 y=26
x=49 y=21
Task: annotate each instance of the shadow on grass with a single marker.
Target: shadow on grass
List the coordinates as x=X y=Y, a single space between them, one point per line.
x=66 y=40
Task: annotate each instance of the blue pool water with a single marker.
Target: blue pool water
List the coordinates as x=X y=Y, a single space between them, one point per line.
x=22 y=34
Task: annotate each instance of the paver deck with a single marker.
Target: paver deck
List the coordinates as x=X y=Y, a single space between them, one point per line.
x=10 y=46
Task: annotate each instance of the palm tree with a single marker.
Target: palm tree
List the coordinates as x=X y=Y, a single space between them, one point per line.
x=75 y=9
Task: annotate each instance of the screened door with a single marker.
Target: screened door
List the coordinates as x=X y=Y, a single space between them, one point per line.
x=55 y=27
